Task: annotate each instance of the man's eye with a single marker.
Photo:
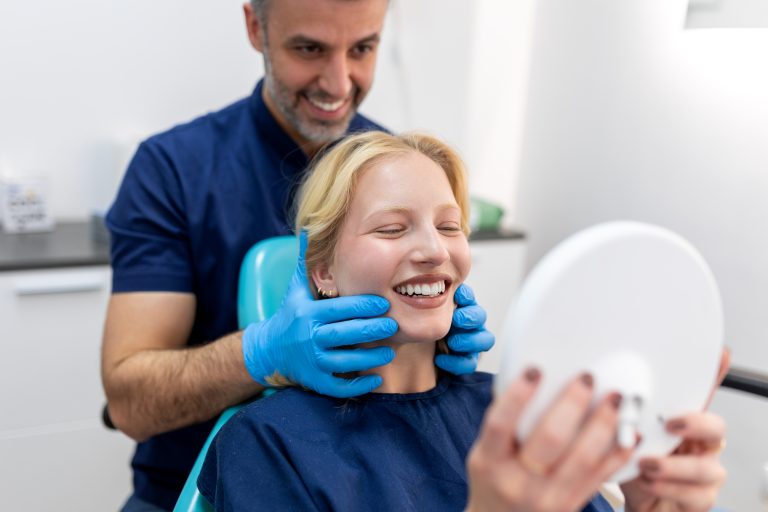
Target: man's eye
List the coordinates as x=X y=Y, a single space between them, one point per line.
x=362 y=49
x=309 y=49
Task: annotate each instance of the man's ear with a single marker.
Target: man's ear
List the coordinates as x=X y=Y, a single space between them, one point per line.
x=253 y=26
x=322 y=277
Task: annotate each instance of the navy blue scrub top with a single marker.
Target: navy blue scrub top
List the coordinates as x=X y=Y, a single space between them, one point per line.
x=193 y=201
x=297 y=450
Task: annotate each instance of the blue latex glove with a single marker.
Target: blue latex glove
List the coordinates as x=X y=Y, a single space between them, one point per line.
x=299 y=342
x=468 y=335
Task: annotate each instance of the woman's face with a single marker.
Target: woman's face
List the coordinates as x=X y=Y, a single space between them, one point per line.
x=402 y=240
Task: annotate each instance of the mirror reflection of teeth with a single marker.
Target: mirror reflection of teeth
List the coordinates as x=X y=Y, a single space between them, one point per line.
x=431 y=290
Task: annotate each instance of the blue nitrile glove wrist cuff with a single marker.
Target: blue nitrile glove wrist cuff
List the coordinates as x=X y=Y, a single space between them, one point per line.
x=254 y=355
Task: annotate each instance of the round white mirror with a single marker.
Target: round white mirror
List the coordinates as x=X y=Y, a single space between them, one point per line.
x=635 y=305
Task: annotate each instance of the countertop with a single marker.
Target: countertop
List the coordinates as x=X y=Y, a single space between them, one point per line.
x=78 y=244
x=70 y=244
x=501 y=234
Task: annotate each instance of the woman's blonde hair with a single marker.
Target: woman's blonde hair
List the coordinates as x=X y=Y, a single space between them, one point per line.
x=325 y=196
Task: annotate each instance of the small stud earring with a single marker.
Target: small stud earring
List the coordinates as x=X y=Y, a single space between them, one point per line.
x=326 y=294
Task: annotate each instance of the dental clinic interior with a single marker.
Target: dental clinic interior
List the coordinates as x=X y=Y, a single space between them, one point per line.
x=567 y=113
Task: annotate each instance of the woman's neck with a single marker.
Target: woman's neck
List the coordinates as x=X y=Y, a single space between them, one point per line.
x=412 y=371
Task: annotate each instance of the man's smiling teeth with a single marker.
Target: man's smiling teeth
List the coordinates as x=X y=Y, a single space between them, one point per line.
x=427 y=290
x=328 y=107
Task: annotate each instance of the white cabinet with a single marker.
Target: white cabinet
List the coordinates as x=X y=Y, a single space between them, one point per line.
x=497 y=271
x=54 y=451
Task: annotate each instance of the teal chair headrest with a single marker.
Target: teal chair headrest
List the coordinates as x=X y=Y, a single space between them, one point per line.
x=264 y=278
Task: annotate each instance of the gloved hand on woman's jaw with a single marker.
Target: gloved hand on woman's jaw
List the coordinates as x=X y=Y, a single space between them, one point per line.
x=468 y=335
x=299 y=343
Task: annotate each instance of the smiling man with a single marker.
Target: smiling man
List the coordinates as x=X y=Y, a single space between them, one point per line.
x=319 y=61
x=193 y=201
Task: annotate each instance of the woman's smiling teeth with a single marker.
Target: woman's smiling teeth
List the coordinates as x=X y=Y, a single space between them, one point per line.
x=425 y=290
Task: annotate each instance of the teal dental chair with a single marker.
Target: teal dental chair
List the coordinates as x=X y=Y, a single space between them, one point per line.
x=265 y=274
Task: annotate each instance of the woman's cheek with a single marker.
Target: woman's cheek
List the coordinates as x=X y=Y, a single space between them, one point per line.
x=463 y=261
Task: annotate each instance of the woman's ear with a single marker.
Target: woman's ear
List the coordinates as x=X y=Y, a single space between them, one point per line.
x=322 y=277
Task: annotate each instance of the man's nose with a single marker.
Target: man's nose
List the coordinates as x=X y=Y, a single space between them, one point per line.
x=335 y=78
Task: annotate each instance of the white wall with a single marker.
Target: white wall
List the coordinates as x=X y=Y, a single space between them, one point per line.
x=82 y=76
x=421 y=62
x=459 y=69
x=83 y=81
x=727 y=13
x=631 y=117
x=499 y=70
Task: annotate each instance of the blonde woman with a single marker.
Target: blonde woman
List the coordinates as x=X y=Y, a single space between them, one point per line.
x=387 y=215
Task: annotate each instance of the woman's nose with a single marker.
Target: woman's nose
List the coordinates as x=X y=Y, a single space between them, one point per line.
x=431 y=248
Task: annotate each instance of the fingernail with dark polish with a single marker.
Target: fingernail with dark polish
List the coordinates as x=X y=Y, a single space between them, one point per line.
x=532 y=375
x=675 y=425
x=649 y=466
x=587 y=380
x=615 y=400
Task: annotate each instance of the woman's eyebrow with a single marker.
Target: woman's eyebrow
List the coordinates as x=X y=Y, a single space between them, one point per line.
x=449 y=206
x=405 y=210
x=388 y=209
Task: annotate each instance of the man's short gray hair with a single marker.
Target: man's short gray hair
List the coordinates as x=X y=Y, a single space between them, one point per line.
x=260 y=10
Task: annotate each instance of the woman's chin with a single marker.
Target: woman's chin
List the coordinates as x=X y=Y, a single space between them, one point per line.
x=421 y=325
x=421 y=334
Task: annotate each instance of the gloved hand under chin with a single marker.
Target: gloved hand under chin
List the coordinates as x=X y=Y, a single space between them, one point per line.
x=468 y=335
x=299 y=342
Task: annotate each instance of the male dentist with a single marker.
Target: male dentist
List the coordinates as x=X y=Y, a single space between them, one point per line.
x=193 y=201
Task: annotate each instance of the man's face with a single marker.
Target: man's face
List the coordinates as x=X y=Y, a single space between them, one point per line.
x=319 y=58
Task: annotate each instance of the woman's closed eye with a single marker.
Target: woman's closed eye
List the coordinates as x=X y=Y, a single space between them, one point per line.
x=391 y=230
x=449 y=228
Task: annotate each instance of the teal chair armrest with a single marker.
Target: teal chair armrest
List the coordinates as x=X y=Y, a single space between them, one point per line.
x=265 y=274
x=190 y=499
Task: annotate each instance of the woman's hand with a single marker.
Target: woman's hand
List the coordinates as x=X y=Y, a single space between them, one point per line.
x=560 y=466
x=687 y=480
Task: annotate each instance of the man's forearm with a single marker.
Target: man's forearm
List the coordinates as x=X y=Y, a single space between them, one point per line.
x=154 y=391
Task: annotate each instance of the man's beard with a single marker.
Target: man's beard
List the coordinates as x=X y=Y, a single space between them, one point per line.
x=287 y=102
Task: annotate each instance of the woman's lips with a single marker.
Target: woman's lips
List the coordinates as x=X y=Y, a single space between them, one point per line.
x=425 y=302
